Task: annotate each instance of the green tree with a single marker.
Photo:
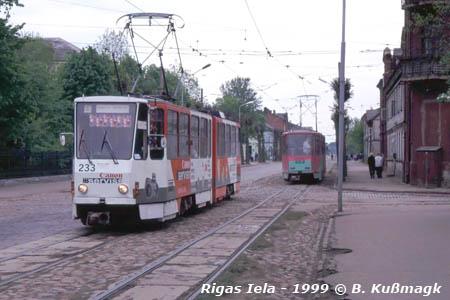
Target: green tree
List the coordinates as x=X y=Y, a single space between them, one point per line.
x=6 y=5
x=355 y=137
x=113 y=44
x=39 y=130
x=348 y=93
x=237 y=92
x=12 y=108
x=87 y=73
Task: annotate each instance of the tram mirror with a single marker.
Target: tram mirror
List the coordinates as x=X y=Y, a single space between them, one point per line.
x=163 y=142
x=62 y=139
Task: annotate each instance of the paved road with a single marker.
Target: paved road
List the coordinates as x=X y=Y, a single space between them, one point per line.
x=395 y=238
x=32 y=211
x=404 y=244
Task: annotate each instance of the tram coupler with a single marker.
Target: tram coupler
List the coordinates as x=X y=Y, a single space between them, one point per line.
x=98 y=218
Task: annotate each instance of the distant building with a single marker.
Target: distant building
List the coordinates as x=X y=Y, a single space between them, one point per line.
x=276 y=124
x=414 y=125
x=371 y=122
x=61 y=49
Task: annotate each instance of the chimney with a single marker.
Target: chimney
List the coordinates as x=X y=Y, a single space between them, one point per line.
x=387 y=59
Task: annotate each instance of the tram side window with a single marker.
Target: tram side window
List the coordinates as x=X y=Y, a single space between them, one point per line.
x=238 y=143
x=203 y=137
x=172 y=134
x=221 y=137
x=209 y=138
x=227 y=141
x=183 y=138
x=195 y=149
x=233 y=141
x=156 y=134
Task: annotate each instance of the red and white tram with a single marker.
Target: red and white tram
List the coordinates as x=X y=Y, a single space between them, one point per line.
x=150 y=159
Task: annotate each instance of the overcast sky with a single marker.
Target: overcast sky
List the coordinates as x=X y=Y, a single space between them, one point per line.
x=304 y=35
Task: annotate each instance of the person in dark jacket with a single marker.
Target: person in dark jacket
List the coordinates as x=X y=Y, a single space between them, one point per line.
x=371 y=162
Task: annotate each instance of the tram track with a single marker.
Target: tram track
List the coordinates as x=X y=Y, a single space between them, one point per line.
x=130 y=280
x=6 y=282
x=193 y=295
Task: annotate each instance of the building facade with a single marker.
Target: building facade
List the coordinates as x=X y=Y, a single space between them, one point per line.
x=415 y=126
x=276 y=124
x=371 y=121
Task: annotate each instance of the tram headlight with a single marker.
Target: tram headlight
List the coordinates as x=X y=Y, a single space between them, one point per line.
x=123 y=188
x=82 y=188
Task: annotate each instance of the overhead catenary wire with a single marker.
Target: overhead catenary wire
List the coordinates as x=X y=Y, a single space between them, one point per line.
x=87 y=6
x=135 y=6
x=257 y=29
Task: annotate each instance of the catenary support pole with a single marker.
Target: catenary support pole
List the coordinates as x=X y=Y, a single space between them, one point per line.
x=341 y=111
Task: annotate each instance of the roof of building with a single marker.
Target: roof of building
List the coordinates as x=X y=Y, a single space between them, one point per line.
x=61 y=48
x=371 y=114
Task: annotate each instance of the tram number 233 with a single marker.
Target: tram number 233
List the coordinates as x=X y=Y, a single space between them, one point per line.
x=86 y=168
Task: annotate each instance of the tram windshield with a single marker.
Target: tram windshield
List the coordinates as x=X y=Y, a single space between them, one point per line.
x=105 y=130
x=298 y=144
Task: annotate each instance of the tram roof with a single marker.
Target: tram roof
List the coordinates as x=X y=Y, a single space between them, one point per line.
x=146 y=99
x=302 y=131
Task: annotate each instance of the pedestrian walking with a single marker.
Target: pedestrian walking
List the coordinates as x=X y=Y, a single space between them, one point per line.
x=379 y=165
x=371 y=162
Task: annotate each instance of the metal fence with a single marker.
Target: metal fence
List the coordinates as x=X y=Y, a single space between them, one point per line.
x=17 y=164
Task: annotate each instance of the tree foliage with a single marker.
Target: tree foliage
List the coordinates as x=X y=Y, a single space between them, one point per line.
x=236 y=93
x=12 y=107
x=87 y=73
x=113 y=44
x=348 y=93
x=6 y=5
x=355 y=137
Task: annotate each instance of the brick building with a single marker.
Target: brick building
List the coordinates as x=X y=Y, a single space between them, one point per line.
x=414 y=126
x=276 y=124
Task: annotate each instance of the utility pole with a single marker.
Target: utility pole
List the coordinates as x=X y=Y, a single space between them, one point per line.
x=308 y=106
x=341 y=111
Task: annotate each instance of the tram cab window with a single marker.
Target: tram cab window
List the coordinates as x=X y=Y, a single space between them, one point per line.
x=155 y=140
x=140 y=144
x=298 y=145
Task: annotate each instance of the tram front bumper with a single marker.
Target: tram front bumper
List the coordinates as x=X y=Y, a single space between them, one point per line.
x=104 y=200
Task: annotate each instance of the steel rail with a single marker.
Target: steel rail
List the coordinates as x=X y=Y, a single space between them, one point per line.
x=244 y=246
x=120 y=285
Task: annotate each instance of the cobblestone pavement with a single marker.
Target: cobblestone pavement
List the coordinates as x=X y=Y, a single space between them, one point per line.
x=299 y=250
x=176 y=278
x=108 y=257
x=288 y=253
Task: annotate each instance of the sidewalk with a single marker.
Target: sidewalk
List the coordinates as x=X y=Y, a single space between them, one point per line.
x=359 y=179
